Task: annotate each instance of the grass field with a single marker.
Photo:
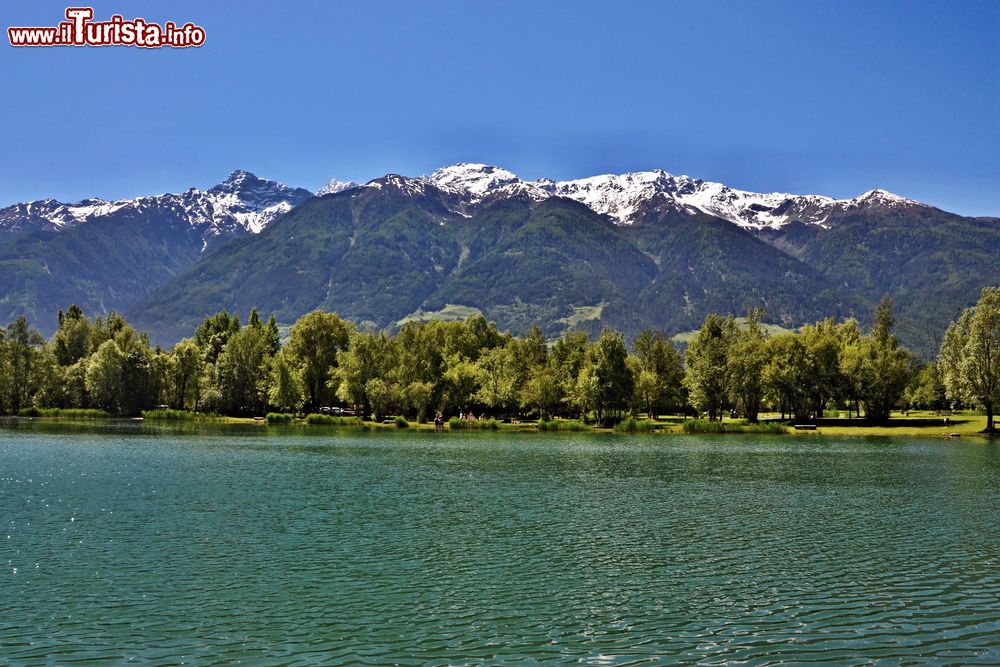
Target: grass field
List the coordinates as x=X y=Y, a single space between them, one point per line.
x=452 y=312
x=685 y=337
x=916 y=423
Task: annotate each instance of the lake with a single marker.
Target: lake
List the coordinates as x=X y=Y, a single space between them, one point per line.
x=312 y=546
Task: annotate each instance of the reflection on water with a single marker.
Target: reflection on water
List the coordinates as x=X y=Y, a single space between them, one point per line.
x=133 y=541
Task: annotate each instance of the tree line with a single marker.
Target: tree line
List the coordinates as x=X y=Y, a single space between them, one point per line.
x=729 y=366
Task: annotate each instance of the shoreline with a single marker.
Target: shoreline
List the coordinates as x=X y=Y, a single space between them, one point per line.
x=961 y=426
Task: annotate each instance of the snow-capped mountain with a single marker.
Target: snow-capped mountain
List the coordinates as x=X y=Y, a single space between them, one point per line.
x=518 y=251
x=243 y=203
x=51 y=215
x=335 y=186
x=625 y=197
x=249 y=202
x=481 y=183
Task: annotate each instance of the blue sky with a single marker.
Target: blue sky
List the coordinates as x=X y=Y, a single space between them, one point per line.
x=807 y=97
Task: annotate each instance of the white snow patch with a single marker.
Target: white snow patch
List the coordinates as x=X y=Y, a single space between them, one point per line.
x=334 y=186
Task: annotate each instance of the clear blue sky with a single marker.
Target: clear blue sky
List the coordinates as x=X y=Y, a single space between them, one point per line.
x=806 y=97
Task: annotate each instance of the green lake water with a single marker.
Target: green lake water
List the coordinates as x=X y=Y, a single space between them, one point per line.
x=246 y=546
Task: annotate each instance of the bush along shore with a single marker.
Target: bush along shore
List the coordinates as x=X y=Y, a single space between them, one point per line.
x=731 y=377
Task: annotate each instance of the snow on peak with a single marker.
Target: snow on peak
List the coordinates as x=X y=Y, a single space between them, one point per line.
x=52 y=215
x=620 y=196
x=244 y=203
x=882 y=197
x=241 y=203
x=238 y=176
x=476 y=179
x=479 y=182
x=413 y=187
x=624 y=197
x=334 y=186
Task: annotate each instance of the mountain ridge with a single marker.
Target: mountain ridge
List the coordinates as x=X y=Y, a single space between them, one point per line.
x=248 y=203
x=242 y=203
x=628 y=251
x=380 y=253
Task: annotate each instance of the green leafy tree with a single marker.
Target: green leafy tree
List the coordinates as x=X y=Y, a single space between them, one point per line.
x=707 y=365
x=969 y=361
x=567 y=359
x=786 y=375
x=745 y=361
x=162 y=372
x=658 y=371
x=420 y=347
x=213 y=334
x=104 y=376
x=879 y=366
x=825 y=380
x=243 y=371
x=417 y=396
x=382 y=397
x=187 y=368
x=848 y=340
x=647 y=388
x=526 y=356
x=367 y=357
x=497 y=379
x=461 y=382
x=70 y=341
x=74 y=386
x=926 y=390
x=50 y=380
x=543 y=391
x=314 y=342
x=112 y=327
x=610 y=369
x=119 y=375
x=21 y=364
x=286 y=391
x=586 y=394
x=272 y=336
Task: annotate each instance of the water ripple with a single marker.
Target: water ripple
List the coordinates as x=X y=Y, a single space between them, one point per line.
x=468 y=550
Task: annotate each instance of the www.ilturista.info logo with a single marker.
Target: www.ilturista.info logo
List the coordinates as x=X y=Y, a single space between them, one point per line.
x=80 y=30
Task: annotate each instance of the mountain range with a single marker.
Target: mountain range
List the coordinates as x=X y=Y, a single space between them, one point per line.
x=630 y=251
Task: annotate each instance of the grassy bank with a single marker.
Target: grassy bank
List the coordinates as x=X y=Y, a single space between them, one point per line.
x=707 y=426
x=913 y=424
x=181 y=415
x=63 y=413
x=923 y=424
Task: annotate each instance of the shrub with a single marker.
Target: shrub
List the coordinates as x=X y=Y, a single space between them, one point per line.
x=562 y=425
x=63 y=413
x=279 y=418
x=179 y=415
x=708 y=426
x=633 y=425
x=456 y=423
x=401 y=422
x=332 y=420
